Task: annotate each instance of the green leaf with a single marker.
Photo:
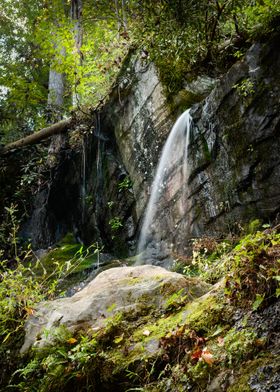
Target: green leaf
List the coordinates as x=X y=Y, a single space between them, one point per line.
x=258 y=301
x=118 y=339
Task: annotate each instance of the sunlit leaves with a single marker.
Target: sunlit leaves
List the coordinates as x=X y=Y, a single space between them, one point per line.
x=41 y=35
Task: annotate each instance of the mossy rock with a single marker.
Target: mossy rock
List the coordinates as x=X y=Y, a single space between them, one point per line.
x=249 y=370
x=72 y=262
x=133 y=290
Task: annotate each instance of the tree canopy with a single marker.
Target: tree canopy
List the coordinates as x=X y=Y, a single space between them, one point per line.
x=86 y=42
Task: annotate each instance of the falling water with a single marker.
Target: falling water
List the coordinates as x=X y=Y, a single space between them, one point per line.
x=174 y=155
x=83 y=175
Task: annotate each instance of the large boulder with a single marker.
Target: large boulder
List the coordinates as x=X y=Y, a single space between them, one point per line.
x=130 y=290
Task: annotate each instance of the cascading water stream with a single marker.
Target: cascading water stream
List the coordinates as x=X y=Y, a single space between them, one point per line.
x=164 y=188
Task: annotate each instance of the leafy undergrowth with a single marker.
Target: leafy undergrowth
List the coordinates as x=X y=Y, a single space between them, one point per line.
x=212 y=343
x=27 y=280
x=250 y=266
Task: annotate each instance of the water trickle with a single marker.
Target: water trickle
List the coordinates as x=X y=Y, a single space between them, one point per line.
x=83 y=175
x=99 y=168
x=170 y=180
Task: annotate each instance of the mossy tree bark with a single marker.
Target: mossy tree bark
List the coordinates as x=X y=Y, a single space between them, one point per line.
x=59 y=127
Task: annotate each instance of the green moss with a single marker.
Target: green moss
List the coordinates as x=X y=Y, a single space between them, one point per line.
x=69 y=251
x=70 y=260
x=205 y=148
x=183 y=100
x=239 y=344
x=59 y=255
x=159 y=327
x=68 y=239
x=250 y=268
x=175 y=301
x=207 y=313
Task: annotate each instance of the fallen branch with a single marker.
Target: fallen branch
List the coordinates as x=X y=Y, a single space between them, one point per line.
x=59 y=127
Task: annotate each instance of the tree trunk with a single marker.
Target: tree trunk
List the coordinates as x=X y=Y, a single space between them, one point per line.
x=56 y=79
x=37 y=137
x=76 y=16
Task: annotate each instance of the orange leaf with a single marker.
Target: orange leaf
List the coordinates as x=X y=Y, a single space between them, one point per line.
x=29 y=311
x=260 y=342
x=207 y=357
x=196 y=354
x=72 y=341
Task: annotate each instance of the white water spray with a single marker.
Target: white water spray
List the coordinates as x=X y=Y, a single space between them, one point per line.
x=174 y=154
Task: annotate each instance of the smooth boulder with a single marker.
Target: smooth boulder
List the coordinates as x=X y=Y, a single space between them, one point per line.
x=130 y=290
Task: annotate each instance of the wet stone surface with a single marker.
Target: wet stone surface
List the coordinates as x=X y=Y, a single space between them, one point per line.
x=267 y=322
x=266 y=379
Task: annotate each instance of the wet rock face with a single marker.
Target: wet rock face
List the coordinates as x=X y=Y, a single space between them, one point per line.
x=266 y=379
x=83 y=195
x=140 y=120
x=99 y=190
x=55 y=205
x=234 y=163
x=234 y=157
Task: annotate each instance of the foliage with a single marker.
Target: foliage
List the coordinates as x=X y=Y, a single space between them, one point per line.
x=259 y=18
x=253 y=278
x=20 y=178
x=205 y=251
x=26 y=280
x=245 y=88
x=115 y=223
x=23 y=72
x=196 y=340
x=177 y=35
x=125 y=184
x=64 y=361
x=24 y=284
x=41 y=36
x=238 y=344
x=251 y=267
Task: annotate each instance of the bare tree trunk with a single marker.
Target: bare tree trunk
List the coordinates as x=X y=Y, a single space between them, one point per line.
x=56 y=89
x=55 y=95
x=76 y=16
x=124 y=20
x=56 y=78
x=117 y=16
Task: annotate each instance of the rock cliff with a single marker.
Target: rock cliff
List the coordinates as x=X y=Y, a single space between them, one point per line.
x=233 y=160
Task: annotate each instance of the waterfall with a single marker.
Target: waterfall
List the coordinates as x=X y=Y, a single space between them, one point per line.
x=171 y=177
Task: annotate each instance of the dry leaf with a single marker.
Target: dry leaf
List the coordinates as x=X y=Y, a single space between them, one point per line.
x=196 y=354
x=260 y=342
x=29 y=311
x=221 y=341
x=207 y=357
x=72 y=341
